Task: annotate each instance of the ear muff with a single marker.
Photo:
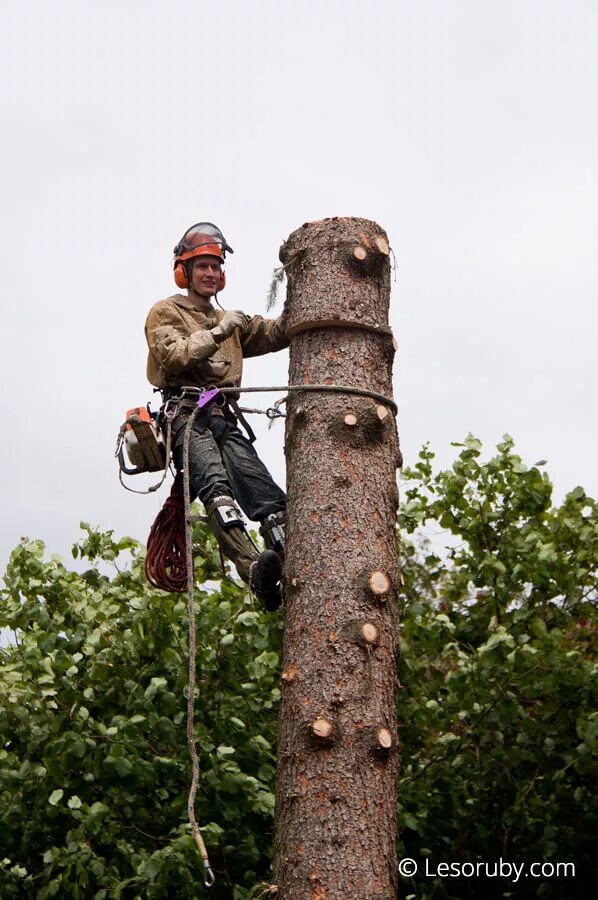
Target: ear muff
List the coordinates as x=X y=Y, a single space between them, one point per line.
x=221 y=282
x=180 y=275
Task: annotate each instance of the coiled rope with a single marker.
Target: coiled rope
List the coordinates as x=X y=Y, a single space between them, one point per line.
x=165 y=564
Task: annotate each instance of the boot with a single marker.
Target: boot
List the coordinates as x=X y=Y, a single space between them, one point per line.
x=261 y=571
x=264 y=579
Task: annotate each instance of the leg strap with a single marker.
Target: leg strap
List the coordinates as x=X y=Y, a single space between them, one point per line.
x=227 y=511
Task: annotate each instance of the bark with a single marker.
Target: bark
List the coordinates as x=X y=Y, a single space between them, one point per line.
x=337 y=764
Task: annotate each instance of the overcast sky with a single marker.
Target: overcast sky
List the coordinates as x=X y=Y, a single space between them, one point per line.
x=466 y=129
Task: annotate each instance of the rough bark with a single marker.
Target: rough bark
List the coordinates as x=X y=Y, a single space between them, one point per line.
x=337 y=765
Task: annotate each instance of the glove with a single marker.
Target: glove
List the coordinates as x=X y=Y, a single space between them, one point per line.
x=232 y=318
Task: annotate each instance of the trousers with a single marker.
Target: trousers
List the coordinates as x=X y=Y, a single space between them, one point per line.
x=222 y=461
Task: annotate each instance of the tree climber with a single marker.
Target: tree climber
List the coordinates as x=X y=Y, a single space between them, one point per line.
x=194 y=347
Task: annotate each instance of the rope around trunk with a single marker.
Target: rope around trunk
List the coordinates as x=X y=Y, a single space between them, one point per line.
x=322 y=388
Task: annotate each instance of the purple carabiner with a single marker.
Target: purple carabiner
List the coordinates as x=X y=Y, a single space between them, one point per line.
x=207 y=396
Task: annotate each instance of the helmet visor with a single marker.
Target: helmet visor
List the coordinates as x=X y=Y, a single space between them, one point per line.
x=201 y=239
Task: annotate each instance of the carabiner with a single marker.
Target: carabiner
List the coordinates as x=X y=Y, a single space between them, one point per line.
x=209 y=879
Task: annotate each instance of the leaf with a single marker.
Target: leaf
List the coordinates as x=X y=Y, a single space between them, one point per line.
x=447 y=738
x=119 y=764
x=248 y=618
x=224 y=751
x=55 y=797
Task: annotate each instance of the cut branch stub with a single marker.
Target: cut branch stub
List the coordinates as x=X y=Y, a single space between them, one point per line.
x=351 y=419
x=369 y=632
x=290 y=674
x=322 y=730
x=382 y=245
x=383 y=738
x=360 y=252
x=380 y=741
x=382 y=412
x=379 y=583
x=356 y=631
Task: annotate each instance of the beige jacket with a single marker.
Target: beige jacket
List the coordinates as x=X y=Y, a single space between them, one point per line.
x=183 y=351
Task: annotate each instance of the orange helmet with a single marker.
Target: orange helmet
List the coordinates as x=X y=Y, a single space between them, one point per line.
x=202 y=239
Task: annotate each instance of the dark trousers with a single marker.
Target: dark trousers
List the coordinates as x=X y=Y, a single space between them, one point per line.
x=222 y=461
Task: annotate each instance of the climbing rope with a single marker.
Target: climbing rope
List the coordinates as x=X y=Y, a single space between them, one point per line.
x=209 y=877
x=321 y=388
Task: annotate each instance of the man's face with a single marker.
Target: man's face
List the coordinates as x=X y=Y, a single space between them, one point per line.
x=205 y=275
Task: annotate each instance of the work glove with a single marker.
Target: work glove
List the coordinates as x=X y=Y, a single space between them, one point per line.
x=232 y=318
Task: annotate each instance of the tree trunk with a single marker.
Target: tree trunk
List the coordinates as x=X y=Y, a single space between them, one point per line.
x=337 y=752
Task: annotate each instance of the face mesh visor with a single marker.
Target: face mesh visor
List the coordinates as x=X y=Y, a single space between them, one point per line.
x=202 y=238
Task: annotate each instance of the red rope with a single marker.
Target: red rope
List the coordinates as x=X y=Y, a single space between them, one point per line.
x=165 y=562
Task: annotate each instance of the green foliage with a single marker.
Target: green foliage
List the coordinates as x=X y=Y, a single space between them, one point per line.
x=94 y=766
x=497 y=706
x=498 y=663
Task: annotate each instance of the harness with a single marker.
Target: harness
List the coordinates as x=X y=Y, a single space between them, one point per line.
x=210 y=399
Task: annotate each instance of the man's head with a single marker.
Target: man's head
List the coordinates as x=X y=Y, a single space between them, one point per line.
x=205 y=275
x=202 y=241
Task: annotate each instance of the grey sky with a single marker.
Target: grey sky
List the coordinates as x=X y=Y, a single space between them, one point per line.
x=466 y=129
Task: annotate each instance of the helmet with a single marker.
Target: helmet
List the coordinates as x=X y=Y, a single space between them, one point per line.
x=202 y=239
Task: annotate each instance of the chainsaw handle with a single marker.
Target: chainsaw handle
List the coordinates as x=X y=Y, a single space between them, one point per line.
x=124 y=468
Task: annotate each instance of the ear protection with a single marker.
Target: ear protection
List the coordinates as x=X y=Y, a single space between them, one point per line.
x=181 y=277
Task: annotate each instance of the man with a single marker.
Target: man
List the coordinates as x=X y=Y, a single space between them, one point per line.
x=194 y=346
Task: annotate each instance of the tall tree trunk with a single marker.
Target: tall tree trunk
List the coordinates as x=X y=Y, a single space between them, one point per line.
x=337 y=754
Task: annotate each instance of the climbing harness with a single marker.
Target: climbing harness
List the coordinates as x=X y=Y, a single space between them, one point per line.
x=169 y=558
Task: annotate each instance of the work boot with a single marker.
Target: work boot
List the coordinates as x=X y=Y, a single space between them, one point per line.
x=264 y=579
x=235 y=544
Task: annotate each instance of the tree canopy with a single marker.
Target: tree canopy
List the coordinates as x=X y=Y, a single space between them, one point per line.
x=497 y=706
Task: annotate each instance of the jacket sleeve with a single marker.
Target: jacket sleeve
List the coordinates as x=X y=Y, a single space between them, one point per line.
x=264 y=336
x=173 y=349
